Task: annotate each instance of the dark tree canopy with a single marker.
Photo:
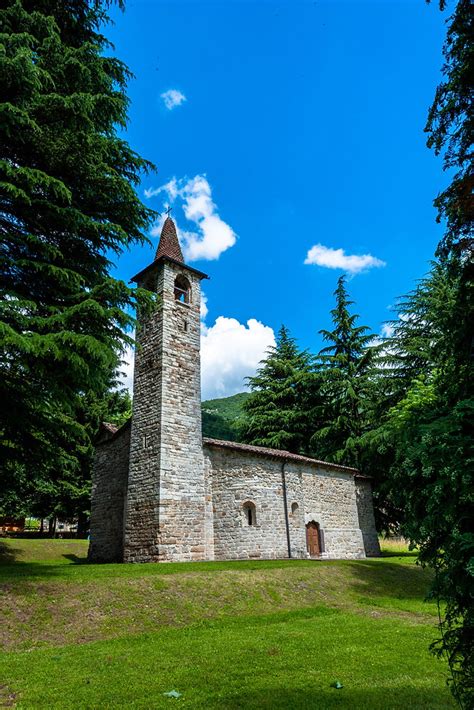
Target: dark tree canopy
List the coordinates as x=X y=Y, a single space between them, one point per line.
x=450 y=129
x=431 y=474
x=67 y=203
x=433 y=470
x=344 y=368
x=276 y=414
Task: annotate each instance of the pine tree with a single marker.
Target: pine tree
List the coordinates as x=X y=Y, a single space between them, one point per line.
x=67 y=202
x=345 y=368
x=277 y=408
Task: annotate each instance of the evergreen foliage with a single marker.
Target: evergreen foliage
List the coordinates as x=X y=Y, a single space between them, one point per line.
x=215 y=426
x=407 y=357
x=67 y=201
x=431 y=478
x=277 y=408
x=450 y=129
x=433 y=473
x=344 y=367
x=64 y=492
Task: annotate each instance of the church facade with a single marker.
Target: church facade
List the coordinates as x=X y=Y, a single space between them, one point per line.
x=161 y=492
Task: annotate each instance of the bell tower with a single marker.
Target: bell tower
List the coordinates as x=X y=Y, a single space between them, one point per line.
x=165 y=510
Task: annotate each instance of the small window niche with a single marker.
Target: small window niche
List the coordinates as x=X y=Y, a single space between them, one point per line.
x=250 y=513
x=294 y=508
x=182 y=289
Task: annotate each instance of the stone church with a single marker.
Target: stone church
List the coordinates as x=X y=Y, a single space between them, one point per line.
x=163 y=493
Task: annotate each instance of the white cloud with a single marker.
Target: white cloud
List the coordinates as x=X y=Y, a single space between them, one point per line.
x=231 y=351
x=171 y=189
x=387 y=330
x=213 y=235
x=173 y=98
x=338 y=259
x=204 y=308
x=125 y=373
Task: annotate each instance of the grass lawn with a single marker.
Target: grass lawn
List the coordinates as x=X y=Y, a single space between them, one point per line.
x=270 y=634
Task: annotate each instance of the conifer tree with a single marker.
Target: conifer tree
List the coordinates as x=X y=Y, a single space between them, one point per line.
x=65 y=491
x=67 y=202
x=277 y=408
x=433 y=474
x=429 y=431
x=344 y=369
x=450 y=129
x=406 y=363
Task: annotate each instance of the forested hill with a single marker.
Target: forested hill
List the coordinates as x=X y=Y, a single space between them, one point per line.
x=220 y=417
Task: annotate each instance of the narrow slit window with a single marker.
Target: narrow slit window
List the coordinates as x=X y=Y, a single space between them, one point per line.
x=250 y=513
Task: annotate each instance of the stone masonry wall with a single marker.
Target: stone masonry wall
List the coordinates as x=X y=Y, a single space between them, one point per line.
x=326 y=496
x=166 y=505
x=330 y=500
x=365 y=507
x=238 y=478
x=142 y=505
x=295 y=496
x=109 y=487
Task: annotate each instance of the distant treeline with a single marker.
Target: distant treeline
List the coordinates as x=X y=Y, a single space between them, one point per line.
x=222 y=418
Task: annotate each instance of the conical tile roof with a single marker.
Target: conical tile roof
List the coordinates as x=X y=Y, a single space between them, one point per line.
x=169 y=244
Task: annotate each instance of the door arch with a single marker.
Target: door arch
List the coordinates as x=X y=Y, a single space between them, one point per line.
x=313 y=539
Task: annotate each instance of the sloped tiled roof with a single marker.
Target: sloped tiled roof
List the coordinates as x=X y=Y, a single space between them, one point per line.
x=276 y=453
x=169 y=243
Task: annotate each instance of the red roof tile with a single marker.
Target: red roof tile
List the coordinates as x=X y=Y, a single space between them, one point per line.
x=276 y=453
x=169 y=244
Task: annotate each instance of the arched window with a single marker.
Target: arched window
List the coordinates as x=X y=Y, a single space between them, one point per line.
x=250 y=513
x=294 y=508
x=182 y=289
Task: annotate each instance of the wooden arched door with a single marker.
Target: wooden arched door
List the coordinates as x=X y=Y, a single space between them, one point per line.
x=313 y=539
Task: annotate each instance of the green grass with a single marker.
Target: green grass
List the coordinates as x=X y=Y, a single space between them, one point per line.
x=270 y=634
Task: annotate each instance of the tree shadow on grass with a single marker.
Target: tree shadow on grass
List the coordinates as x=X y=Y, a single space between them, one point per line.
x=391 y=580
x=355 y=699
x=76 y=560
x=8 y=555
x=12 y=567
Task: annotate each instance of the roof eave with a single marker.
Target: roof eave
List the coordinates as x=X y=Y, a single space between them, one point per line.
x=279 y=454
x=148 y=268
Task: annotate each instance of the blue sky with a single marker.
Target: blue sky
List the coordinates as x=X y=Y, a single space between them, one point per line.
x=290 y=127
